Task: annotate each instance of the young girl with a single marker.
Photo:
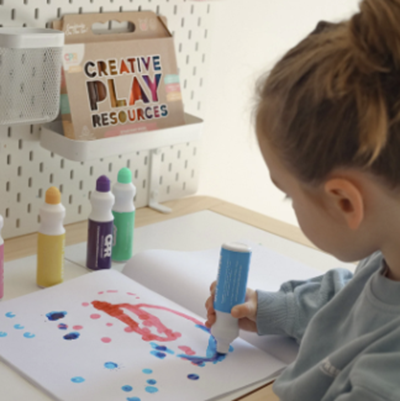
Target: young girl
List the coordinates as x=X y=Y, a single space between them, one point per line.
x=328 y=125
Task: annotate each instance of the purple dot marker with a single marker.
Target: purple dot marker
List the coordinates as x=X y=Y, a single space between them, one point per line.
x=103 y=184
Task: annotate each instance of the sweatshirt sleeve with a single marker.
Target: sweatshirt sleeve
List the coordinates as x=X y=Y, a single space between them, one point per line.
x=289 y=310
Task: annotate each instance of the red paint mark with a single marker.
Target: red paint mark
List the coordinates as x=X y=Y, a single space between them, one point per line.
x=151 y=320
x=137 y=297
x=101 y=292
x=85 y=303
x=130 y=293
x=112 y=291
x=109 y=324
x=187 y=350
x=77 y=327
x=95 y=315
x=106 y=340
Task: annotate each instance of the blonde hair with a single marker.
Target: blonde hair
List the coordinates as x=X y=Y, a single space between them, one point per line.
x=334 y=99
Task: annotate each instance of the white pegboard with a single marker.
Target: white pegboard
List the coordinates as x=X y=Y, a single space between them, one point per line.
x=27 y=170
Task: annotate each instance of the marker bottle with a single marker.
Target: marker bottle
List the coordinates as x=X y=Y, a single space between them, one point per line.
x=101 y=226
x=230 y=290
x=1 y=259
x=124 y=216
x=51 y=240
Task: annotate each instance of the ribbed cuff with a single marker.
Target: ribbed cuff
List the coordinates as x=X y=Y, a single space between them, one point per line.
x=272 y=313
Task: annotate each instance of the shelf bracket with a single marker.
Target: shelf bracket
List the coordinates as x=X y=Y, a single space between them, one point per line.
x=155 y=164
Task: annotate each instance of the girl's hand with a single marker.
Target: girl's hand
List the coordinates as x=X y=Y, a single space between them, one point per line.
x=246 y=313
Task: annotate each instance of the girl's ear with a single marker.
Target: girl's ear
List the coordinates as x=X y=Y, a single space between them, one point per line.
x=346 y=200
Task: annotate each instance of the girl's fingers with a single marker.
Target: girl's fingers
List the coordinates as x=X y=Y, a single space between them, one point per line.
x=248 y=309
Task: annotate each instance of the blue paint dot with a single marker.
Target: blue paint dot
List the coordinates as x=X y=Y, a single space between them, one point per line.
x=29 y=335
x=147 y=371
x=18 y=327
x=62 y=326
x=55 y=315
x=127 y=388
x=151 y=389
x=110 y=365
x=133 y=399
x=158 y=354
x=78 y=379
x=3 y=334
x=71 y=336
x=193 y=377
x=151 y=381
x=161 y=347
x=10 y=314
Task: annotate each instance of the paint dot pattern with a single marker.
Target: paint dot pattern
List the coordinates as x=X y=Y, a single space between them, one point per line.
x=151 y=389
x=109 y=324
x=193 y=376
x=77 y=327
x=18 y=327
x=71 y=336
x=133 y=399
x=111 y=365
x=85 y=304
x=29 y=335
x=151 y=381
x=3 y=334
x=78 y=379
x=62 y=326
x=95 y=316
x=147 y=371
x=127 y=388
x=106 y=340
x=10 y=315
x=53 y=316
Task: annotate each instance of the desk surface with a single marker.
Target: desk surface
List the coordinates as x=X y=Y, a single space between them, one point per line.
x=26 y=245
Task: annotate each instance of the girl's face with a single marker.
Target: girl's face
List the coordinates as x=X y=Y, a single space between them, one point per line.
x=313 y=210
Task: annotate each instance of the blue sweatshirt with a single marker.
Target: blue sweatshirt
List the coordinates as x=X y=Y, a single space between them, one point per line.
x=348 y=328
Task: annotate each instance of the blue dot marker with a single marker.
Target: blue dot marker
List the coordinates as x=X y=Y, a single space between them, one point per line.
x=133 y=399
x=127 y=388
x=147 y=371
x=18 y=327
x=29 y=335
x=10 y=314
x=193 y=376
x=151 y=389
x=151 y=381
x=3 y=334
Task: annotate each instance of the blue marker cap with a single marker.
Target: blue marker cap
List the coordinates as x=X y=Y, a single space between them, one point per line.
x=103 y=184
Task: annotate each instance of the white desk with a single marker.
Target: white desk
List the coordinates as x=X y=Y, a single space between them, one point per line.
x=200 y=230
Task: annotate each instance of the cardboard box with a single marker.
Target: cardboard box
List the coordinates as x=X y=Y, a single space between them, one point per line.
x=119 y=83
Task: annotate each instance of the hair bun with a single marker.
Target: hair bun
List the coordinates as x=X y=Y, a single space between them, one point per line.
x=375 y=33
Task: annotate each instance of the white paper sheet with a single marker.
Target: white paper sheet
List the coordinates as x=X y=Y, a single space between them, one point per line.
x=185 y=278
x=104 y=337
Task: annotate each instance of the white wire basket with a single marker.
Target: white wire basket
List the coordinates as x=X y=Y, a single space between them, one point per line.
x=30 y=73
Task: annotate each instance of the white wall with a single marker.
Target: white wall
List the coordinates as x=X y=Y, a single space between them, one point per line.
x=248 y=37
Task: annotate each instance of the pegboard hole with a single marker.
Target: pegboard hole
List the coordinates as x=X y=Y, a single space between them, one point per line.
x=7 y=212
x=161 y=180
x=176 y=176
x=110 y=167
x=51 y=178
x=41 y=167
x=40 y=192
x=38 y=219
x=89 y=194
x=70 y=199
x=31 y=155
x=186 y=164
x=61 y=188
x=9 y=132
x=162 y=157
x=62 y=163
x=29 y=208
x=192 y=175
x=194 y=151
x=128 y=163
x=80 y=184
x=184 y=186
x=80 y=209
x=20 y=142
x=8 y=159
x=19 y=171
x=18 y=197
x=17 y=223
x=144 y=184
x=136 y=173
x=8 y=185
x=91 y=170
x=145 y=161
x=169 y=166
x=30 y=182
x=71 y=174
x=168 y=188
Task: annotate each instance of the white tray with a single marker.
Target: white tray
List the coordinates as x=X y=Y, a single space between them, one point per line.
x=52 y=139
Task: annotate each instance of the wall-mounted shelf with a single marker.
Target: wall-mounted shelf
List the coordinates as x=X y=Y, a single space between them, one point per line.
x=52 y=139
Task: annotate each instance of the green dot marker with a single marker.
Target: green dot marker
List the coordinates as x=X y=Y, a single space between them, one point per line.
x=124 y=216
